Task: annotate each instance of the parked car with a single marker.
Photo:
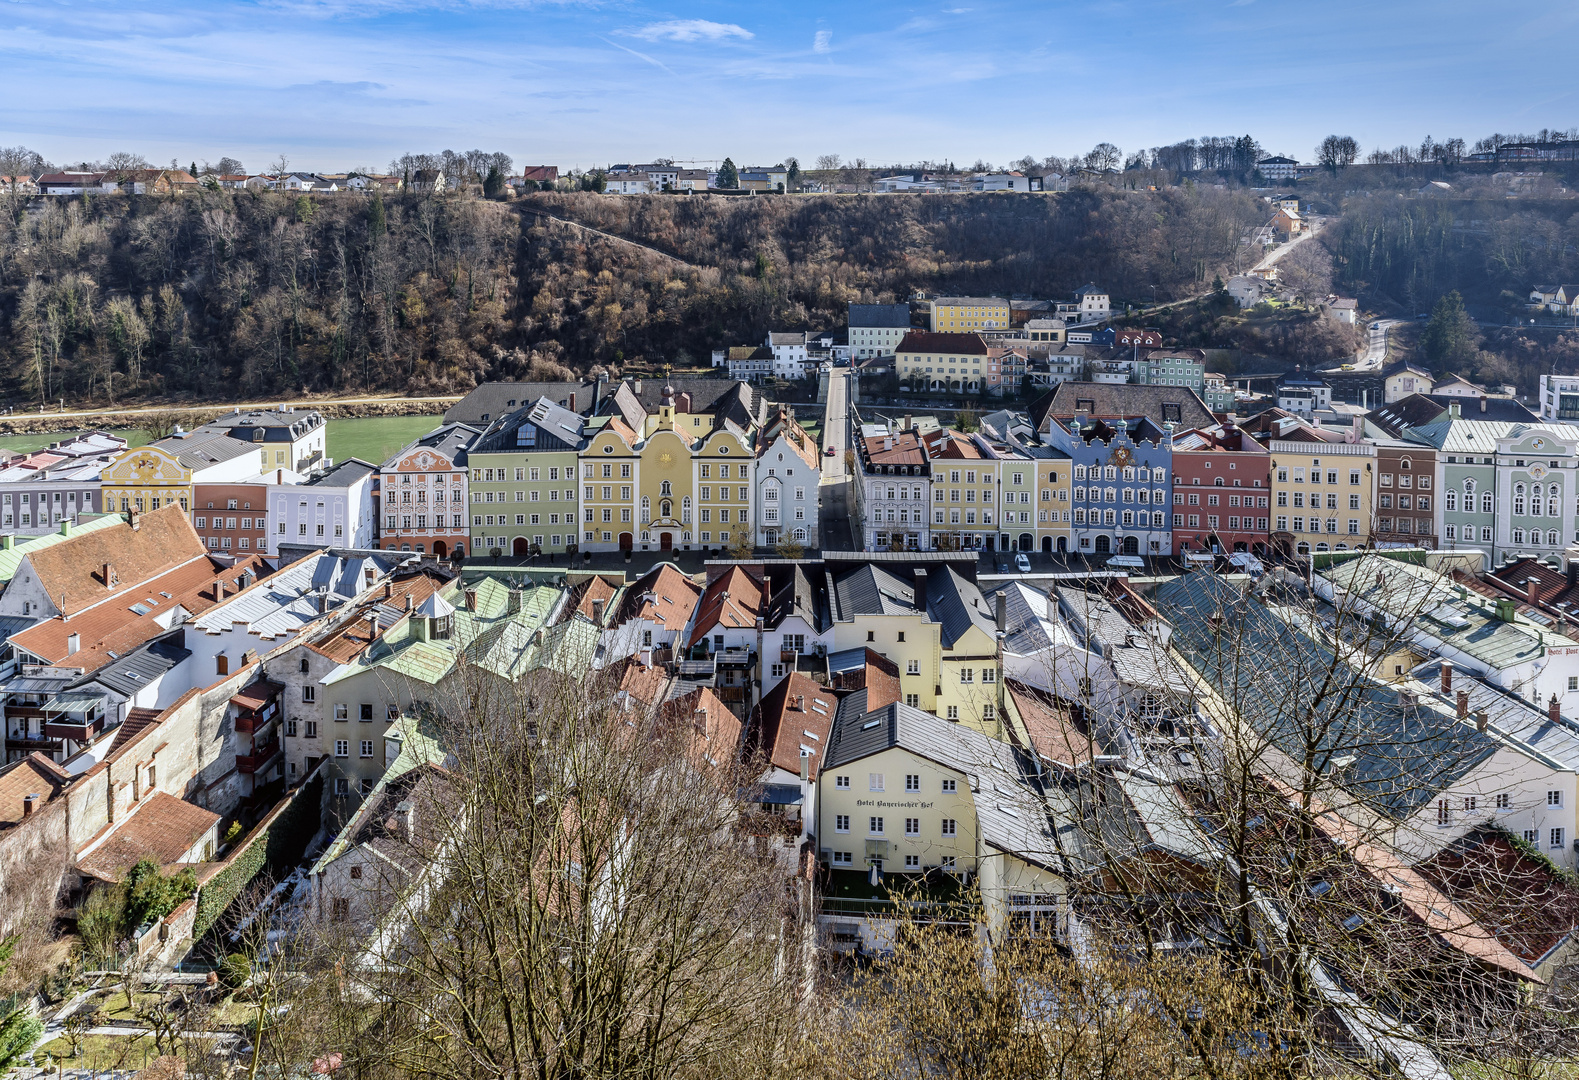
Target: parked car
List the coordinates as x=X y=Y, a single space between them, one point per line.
x=831 y=452
x=1022 y=563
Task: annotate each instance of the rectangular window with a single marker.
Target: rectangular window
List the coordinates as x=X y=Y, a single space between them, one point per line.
x=841 y=823
x=874 y=781
x=950 y=827
x=367 y=748
x=950 y=785
x=841 y=782
x=875 y=826
x=1554 y=798
x=1555 y=840
x=342 y=748
x=912 y=782
x=309 y=694
x=1504 y=802
x=912 y=826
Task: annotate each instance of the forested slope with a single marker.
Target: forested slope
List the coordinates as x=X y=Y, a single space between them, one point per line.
x=252 y=293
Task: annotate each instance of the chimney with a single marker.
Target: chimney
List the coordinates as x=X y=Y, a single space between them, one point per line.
x=471 y=599
x=279 y=476
x=1530 y=585
x=907 y=422
x=1454 y=410
x=1482 y=402
x=29 y=804
x=1447 y=676
x=108 y=576
x=597 y=611
x=389 y=589
x=219 y=588
x=636 y=386
x=406 y=819
x=572 y=401
x=372 y=625
x=1554 y=711
x=1052 y=605
x=1481 y=720
x=1003 y=612
x=73 y=643
x=1463 y=704
x=323 y=602
x=7 y=542
x=513 y=603
x=800 y=702
x=409 y=603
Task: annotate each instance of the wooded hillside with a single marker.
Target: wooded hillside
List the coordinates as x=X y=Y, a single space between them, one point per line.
x=223 y=293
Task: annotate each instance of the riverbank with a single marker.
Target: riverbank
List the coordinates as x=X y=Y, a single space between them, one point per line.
x=194 y=413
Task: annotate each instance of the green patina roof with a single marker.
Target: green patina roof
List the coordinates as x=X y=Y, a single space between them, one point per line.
x=12 y=558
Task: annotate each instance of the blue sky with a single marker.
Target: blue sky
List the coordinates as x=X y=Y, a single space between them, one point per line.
x=340 y=84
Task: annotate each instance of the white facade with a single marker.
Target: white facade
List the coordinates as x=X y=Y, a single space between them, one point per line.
x=1536 y=490
x=789 y=355
x=786 y=503
x=336 y=514
x=1559 y=397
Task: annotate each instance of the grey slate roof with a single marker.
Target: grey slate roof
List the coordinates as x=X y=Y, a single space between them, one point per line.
x=956 y=605
x=132 y=673
x=557 y=428
x=453 y=440
x=1404 y=755
x=492 y=400
x=346 y=474
x=796 y=596
x=1111 y=401
x=891 y=316
x=278 y=425
x=201 y=448
x=288 y=600
x=871 y=590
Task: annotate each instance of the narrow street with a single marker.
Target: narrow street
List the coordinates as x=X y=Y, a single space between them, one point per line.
x=836 y=492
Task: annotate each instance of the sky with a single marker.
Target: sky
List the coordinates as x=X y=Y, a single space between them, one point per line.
x=335 y=85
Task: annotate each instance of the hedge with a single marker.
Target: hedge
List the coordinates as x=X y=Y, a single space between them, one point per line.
x=277 y=849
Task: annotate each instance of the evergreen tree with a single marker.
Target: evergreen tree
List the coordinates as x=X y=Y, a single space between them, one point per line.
x=1451 y=338
x=493 y=183
x=728 y=175
x=193 y=170
x=376 y=223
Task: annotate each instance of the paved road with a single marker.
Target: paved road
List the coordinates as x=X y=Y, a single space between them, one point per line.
x=1375 y=352
x=606 y=235
x=1267 y=260
x=218 y=406
x=836 y=489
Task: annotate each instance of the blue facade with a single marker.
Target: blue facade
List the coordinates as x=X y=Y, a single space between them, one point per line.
x=1121 y=490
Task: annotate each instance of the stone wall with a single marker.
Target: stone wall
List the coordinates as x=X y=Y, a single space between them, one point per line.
x=35 y=855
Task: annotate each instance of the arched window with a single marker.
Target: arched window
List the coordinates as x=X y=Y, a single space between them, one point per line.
x=1551 y=507
x=665 y=489
x=1469 y=486
x=1217 y=482
x=1110 y=473
x=1403 y=463
x=666 y=510
x=685 y=510
x=1518 y=536
x=1518 y=506
x=646 y=510
x=1551 y=538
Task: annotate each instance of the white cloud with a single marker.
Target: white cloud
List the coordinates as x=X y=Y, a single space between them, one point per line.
x=691 y=30
x=823 y=42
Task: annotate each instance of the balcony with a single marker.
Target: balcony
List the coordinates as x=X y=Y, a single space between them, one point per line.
x=249 y=721
x=75 y=731
x=261 y=757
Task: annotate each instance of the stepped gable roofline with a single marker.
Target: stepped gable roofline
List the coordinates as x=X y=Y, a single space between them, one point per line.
x=926 y=341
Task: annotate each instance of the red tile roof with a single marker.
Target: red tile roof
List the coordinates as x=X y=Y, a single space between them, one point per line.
x=32 y=775
x=798 y=712
x=732 y=601
x=72 y=572
x=114 y=626
x=161 y=827
x=662 y=595
x=1051 y=726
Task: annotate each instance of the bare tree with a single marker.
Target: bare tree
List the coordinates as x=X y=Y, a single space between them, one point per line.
x=1337 y=152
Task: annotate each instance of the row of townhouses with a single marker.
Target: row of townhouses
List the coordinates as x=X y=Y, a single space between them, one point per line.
x=705 y=465
x=1124 y=469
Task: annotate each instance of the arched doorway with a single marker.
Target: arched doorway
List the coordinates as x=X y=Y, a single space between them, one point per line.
x=1104 y=546
x=625 y=542
x=1047 y=544
x=1063 y=545
x=1027 y=542
x=1239 y=546
x=666 y=541
x=1131 y=546
x=439 y=549
x=518 y=547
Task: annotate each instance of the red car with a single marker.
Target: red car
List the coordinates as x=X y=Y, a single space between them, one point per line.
x=831 y=451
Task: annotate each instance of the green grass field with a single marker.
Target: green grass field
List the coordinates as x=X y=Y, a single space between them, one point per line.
x=372 y=438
